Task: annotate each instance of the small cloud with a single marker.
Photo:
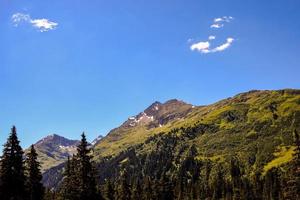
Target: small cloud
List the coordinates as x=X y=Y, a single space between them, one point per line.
x=224 y=46
x=216 y=25
x=203 y=47
x=223 y=19
x=219 y=22
x=40 y=24
x=212 y=37
x=44 y=24
x=218 y=19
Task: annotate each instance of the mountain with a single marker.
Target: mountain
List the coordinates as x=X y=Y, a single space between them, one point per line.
x=137 y=128
x=255 y=128
x=54 y=150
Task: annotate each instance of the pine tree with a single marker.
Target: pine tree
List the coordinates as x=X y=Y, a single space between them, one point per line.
x=272 y=187
x=86 y=171
x=50 y=195
x=257 y=185
x=235 y=173
x=34 y=186
x=136 y=191
x=207 y=190
x=292 y=189
x=165 y=188
x=70 y=189
x=297 y=164
x=219 y=184
x=123 y=192
x=147 y=188
x=109 y=192
x=12 y=176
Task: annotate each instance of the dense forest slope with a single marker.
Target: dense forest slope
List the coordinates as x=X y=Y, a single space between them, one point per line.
x=175 y=139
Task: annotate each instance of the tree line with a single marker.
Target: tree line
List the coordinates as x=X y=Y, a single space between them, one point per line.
x=143 y=178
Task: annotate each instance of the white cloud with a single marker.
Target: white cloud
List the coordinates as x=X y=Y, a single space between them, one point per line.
x=41 y=24
x=216 y=25
x=223 y=19
x=218 y=19
x=224 y=46
x=203 y=47
x=212 y=37
x=219 y=22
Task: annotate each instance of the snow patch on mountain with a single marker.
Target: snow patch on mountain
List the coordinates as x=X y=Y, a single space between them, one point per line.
x=96 y=140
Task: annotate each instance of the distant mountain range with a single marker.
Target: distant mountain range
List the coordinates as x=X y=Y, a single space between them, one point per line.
x=54 y=149
x=256 y=125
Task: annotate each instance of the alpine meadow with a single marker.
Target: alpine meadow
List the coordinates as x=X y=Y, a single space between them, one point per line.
x=149 y=100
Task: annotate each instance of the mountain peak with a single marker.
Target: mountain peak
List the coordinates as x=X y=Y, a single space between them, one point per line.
x=55 y=139
x=158 y=114
x=55 y=149
x=96 y=140
x=175 y=102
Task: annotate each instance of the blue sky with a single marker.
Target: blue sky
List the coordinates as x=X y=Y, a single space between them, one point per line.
x=72 y=66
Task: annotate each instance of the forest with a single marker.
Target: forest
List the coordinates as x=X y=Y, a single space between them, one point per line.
x=151 y=177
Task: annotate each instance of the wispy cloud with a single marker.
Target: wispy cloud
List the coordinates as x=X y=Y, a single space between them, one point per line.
x=41 y=25
x=204 y=46
x=220 y=21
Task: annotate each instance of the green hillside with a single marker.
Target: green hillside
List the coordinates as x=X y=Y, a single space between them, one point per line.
x=256 y=124
x=238 y=146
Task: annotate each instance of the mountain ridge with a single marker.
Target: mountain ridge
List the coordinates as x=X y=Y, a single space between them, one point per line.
x=255 y=124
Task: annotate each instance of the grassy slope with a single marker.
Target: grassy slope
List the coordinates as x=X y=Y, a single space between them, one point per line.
x=253 y=125
x=121 y=138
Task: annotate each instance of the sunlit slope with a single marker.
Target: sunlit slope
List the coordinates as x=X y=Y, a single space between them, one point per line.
x=136 y=129
x=256 y=126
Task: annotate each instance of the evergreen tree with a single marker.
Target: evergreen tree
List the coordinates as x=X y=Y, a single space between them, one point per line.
x=50 y=195
x=207 y=190
x=109 y=192
x=165 y=188
x=236 y=174
x=257 y=185
x=136 y=190
x=123 y=192
x=70 y=188
x=147 y=188
x=272 y=187
x=219 y=184
x=34 y=186
x=297 y=164
x=86 y=171
x=12 y=176
x=292 y=189
x=228 y=190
